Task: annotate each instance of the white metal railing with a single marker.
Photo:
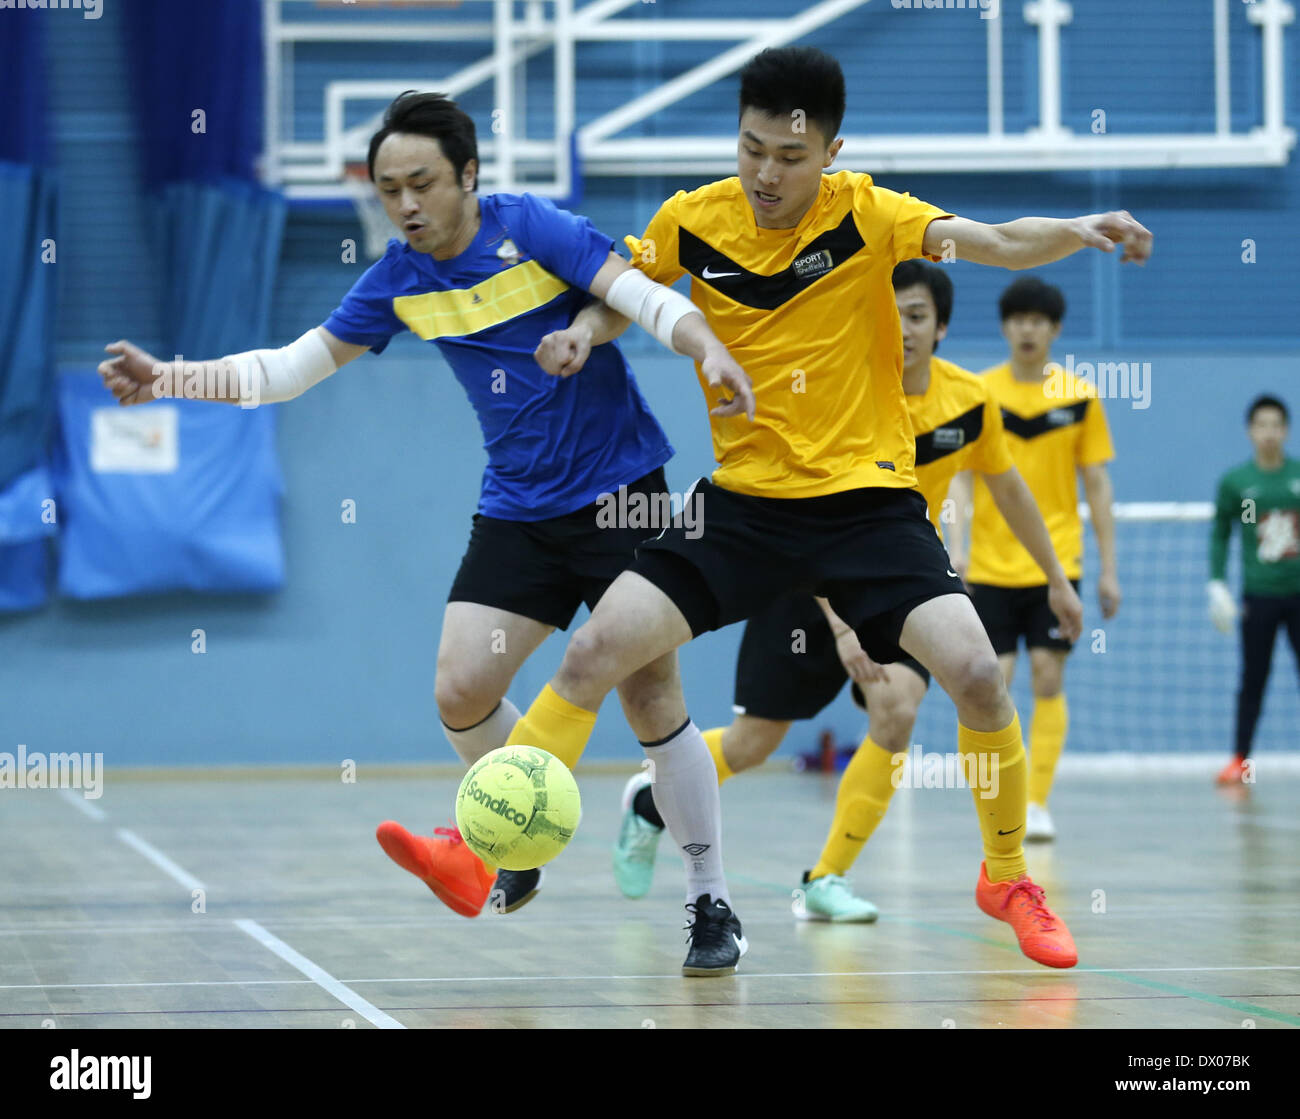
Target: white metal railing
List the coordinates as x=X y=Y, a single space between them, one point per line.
x=1155 y=510
x=314 y=169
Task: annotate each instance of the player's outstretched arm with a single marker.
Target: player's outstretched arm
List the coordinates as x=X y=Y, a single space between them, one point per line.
x=627 y=295
x=1016 y=504
x=135 y=376
x=1031 y=242
x=1100 y=494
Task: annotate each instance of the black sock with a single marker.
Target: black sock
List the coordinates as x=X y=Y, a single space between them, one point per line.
x=643 y=804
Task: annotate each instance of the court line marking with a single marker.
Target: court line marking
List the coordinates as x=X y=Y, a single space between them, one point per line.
x=435 y=924
x=1218 y=1000
x=620 y=978
x=142 y=846
x=182 y=876
x=291 y=956
x=1125 y=976
x=1036 y=1003
x=174 y=871
x=81 y=804
x=318 y=975
x=158 y=983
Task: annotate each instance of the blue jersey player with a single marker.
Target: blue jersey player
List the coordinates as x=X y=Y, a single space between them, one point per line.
x=493 y=282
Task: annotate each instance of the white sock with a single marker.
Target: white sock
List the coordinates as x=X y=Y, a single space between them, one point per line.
x=484 y=736
x=686 y=794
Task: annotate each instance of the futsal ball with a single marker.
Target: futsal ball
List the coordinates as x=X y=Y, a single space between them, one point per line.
x=518 y=807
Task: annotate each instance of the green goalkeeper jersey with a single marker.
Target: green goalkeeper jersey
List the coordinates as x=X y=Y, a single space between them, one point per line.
x=1266 y=503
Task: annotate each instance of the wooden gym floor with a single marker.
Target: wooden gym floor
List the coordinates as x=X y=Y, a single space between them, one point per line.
x=1184 y=901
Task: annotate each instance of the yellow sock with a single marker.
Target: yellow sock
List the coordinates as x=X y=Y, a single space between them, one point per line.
x=860 y=805
x=713 y=740
x=554 y=724
x=998 y=784
x=1047 y=727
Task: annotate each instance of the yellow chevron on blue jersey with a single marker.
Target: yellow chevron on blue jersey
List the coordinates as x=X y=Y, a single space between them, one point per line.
x=462 y=311
x=554 y=445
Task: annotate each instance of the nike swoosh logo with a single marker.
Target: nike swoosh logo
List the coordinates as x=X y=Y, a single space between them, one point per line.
x=708 y=274
x=954 y=574
x=856 y=838
x=1001 y=832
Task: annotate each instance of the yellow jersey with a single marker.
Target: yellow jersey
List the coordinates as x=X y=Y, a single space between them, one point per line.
x=958 y=426
x=809 y=313
x=1054 y=426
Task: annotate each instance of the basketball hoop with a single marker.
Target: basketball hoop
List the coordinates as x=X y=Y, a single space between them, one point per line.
x=376 y=227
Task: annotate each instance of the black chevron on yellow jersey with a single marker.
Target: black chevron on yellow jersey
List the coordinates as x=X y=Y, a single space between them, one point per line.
x=822 y=255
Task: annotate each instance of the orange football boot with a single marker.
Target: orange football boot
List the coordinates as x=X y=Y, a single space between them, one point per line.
x=1042 y=934
x=442 y=862
x=1233 y=773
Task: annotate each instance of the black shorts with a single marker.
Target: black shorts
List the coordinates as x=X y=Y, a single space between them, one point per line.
x=788 y=666
x=1010 y=613
x=872 y=552
x=545 y=569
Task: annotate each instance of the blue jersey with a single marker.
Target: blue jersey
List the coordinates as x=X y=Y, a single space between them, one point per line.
x=554 y=444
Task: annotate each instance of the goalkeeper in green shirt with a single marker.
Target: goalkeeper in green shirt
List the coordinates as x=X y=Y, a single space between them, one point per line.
x=1263 y=497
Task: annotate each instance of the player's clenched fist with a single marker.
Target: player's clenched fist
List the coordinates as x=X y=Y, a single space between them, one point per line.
x=132 y=374
x=563 y=353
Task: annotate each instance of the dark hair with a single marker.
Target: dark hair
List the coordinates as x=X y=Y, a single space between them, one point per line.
x=1029 y=294
x=1267 y=401
x=913 y=272
x=780 y=80
x=435 y=116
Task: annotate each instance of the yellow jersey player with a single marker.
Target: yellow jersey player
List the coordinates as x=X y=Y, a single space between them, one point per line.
x=794 y=659
x=816 y=494
x=1057 y=432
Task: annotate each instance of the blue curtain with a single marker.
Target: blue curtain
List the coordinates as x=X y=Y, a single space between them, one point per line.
x=23 y=126
x=28 y=514
x=196 y=56
x=179 y=494
x=218 y=245
x=218 y=232
x=28 y=286
x=28 y=289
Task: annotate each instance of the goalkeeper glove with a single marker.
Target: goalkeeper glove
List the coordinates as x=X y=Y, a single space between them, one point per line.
x=1223 y=610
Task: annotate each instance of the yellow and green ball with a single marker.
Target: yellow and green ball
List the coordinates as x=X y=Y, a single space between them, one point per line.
x=518 y=807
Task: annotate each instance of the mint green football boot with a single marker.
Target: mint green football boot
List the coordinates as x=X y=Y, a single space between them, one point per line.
x=638 y=841
x=829 y=898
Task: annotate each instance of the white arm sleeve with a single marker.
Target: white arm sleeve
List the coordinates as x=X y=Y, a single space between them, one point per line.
x=269 y=376
x=655 y=308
